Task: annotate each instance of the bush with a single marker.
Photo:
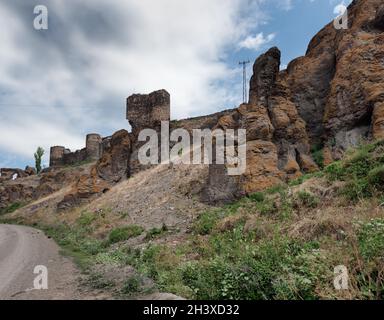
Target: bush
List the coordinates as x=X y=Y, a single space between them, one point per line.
x=156 y=232
x=371 y=239
x=356 y=189
x=307 y=199
x=124 y=233
x=376 y=178
x=318 y=155
x=206 y=222
x=257 y=197
x=97 y=281
x=131 y=285
x=86 y=219
x=277 y=270
x=12 y=208
x=335 y=171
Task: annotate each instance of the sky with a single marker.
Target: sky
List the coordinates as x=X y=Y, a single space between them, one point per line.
x=59 y=84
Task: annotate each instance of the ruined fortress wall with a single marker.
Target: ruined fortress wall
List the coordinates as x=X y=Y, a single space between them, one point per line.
x=203 y=122
x=95 y=146
x=56 y=156
x=148 y=110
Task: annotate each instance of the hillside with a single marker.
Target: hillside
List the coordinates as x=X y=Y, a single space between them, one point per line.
x=283 y=243
x=310 y=199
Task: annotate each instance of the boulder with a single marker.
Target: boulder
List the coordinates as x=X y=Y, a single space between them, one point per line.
x=30 y=171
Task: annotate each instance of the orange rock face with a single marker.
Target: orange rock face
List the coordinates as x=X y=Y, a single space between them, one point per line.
x=332 y=97
x=111 y=168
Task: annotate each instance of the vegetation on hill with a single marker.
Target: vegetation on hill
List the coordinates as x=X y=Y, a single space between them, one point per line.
x=283 y=243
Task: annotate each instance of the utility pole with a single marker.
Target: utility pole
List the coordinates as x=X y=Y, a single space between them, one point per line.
x=244 y=64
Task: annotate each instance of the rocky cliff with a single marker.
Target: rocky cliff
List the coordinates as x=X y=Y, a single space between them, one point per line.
x=328 y=100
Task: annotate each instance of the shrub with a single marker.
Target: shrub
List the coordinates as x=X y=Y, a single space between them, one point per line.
x=86 y=219
x=305 y=177
x=205 y=223
x=125 y=233
x=371 y=239
x=156 y=232
x=356 y=189
x=131 y=285
x=12 y=208
x=278 y=269
x=335 y=171
x=376 y=178
x=318 y=155
x=257 y=197
x=97 y=281
x=307 y=199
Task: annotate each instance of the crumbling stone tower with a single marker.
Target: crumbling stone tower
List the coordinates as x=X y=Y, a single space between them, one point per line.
x=56 y=156
x=93 y=146
x=146 y=111
x=60 y=156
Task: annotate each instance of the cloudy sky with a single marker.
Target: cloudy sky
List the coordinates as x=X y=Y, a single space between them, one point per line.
x=59 y=84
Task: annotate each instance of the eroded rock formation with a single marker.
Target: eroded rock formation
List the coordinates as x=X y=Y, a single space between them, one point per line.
x=331 y=98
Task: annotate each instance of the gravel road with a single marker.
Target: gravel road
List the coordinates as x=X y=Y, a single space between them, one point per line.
x=21 y=250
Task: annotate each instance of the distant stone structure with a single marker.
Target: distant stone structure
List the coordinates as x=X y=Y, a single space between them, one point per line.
x=148 y=110
x=95 y=144
x=56 y=157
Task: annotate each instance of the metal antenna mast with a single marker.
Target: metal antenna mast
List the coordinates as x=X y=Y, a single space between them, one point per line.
x=244 y=64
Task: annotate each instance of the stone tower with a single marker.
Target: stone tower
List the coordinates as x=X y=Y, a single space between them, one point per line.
x=56 y=156
x=93 y=146
x=146 y=111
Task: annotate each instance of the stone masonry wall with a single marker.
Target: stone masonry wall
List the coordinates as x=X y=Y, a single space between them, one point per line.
x=95 y=145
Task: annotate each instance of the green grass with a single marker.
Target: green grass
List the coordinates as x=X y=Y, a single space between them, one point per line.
x=76 y=242
x=124 y=233
x=12 y=208
x=257 y=197
x=86 y=219
x=371 y=239
x=362 y=171
x=131 y=285
x=156 y=232
x=307 y=199
x=234 y=264
x=318 y=155
x=263 y=262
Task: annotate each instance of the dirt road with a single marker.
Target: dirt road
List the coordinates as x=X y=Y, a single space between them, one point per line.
x=21 y=250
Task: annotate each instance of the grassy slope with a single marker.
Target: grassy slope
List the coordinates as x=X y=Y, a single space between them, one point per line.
x=283 y=243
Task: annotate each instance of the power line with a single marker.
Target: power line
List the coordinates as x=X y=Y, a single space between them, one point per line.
x=244 y=64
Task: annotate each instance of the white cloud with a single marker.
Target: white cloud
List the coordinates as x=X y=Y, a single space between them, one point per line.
x=59 y=84
x=256 y=42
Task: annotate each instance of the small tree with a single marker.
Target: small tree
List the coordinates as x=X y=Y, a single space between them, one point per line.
x=38 y=156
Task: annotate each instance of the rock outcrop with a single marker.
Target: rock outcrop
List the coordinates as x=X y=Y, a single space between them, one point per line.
x=331 y=98
x=110 y=169
x=29 y=186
